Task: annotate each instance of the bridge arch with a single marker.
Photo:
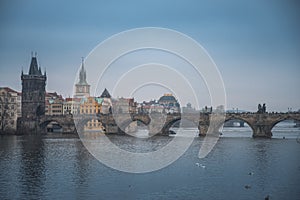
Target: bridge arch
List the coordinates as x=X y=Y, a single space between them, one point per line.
x=167 y=126
x=236 y=117
x=65 y=122
x=170 y=123
x=143 y=119
x=283 y=118
x=290 y=117
x=44 y=124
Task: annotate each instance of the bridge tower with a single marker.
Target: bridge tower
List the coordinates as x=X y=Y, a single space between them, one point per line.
x=33 y=99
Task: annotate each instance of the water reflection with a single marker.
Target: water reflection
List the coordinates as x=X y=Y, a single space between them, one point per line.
x=82 y=169
x=32 y=167
x=61 y=168
x=262 y=162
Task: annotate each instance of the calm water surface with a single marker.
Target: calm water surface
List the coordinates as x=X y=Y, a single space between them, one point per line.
x=61 y=168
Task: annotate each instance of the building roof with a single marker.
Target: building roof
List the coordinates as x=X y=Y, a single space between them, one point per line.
x=34 y=69
x=7 y=89
x=105 y=94
x=68 y=99
x=53 y=95
x=167 y=97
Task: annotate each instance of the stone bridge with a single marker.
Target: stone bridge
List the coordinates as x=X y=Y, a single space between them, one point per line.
x=260 y=123
x=65 y=121
x=207 y=123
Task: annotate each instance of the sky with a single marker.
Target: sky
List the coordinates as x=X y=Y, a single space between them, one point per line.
x=255 y=44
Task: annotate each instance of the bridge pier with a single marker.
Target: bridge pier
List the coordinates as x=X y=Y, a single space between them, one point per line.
x=112 y=129
x=262 y=131
x=28 y=127
x=203 y=124
x=202 y=130
x=68 y=128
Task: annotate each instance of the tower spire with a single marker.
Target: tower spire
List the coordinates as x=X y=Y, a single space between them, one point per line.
x=82 y=88
x=82 y=74
x=33 y=69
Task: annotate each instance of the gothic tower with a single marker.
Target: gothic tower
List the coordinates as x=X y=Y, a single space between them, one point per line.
x=82 y=88
x=33 y=98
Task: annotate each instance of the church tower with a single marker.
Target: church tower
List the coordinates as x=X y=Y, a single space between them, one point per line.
x=33 y=98
x=82 y=88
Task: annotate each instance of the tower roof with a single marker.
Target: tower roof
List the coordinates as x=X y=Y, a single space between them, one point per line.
x=105 y=94
x=82 y=75
x=34 y=69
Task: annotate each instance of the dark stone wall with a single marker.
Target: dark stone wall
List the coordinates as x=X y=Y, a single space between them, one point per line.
x=33 y=103
x=33 y=96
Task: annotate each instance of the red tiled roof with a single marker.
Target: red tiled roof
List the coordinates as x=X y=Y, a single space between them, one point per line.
x=7 y=89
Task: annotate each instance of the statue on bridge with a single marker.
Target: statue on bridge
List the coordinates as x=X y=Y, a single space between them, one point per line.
x=261 y=108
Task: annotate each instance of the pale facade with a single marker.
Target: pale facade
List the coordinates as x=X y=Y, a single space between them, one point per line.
x=54 y=104
x=71 y=106
x=10 y=109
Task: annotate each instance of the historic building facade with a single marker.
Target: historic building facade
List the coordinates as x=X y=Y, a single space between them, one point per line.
x=170 y=103
x=54 y=104
x=10 y=110
x=33 y=98
x=92 y=105
x=71 y=106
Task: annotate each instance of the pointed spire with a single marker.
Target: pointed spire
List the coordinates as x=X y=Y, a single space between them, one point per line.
x=33 y=66
x=82 y=74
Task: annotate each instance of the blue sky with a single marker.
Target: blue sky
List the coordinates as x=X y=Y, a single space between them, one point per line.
x=255 y=44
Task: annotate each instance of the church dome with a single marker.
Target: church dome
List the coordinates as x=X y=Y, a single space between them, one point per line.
x=169 y=98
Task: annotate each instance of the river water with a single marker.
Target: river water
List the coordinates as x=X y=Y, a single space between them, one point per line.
x=239 y=167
